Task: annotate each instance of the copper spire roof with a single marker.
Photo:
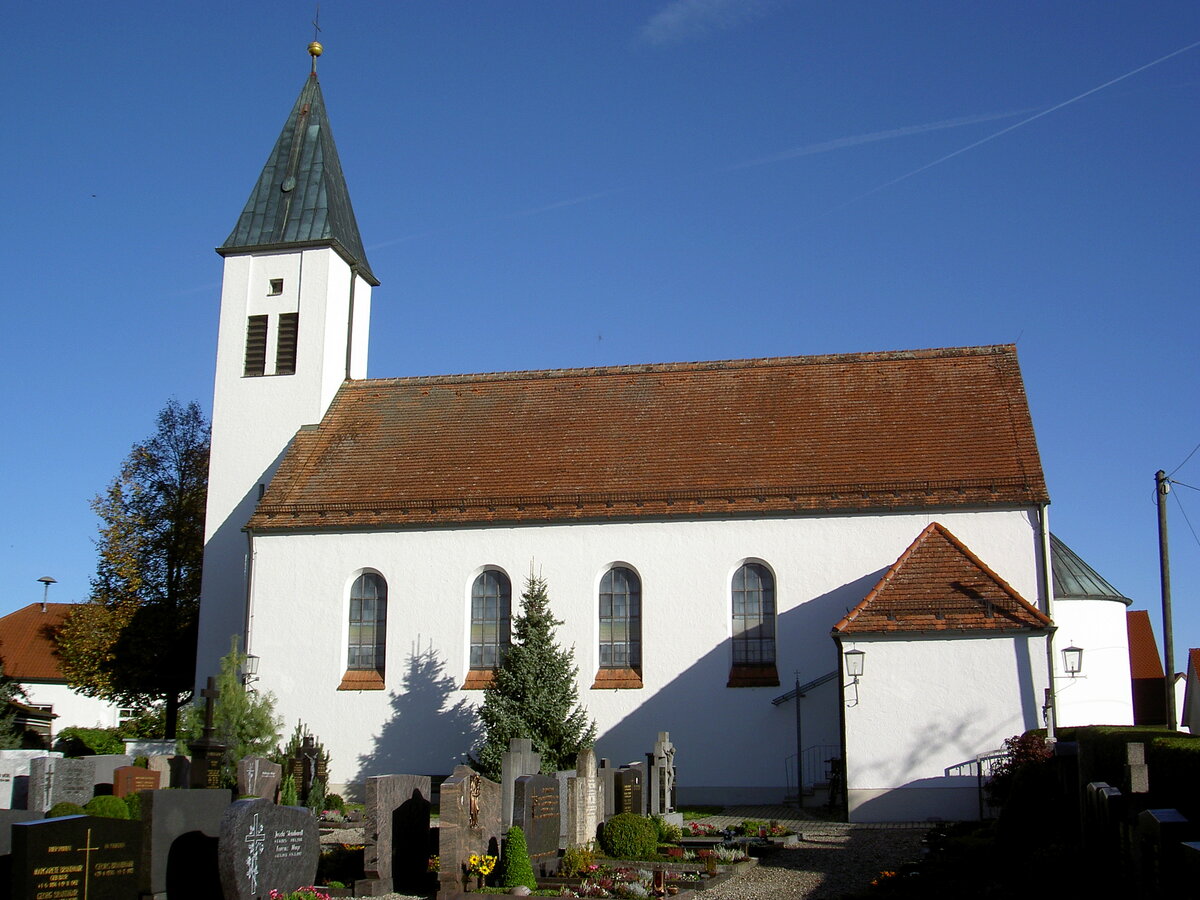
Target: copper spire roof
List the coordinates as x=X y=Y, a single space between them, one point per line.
x=919 y=429
x=939 y=585
x=301 y=198
x=1076 y=580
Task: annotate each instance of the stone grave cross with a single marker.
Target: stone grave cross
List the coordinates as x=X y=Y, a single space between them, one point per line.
x=207 y=752
x=210 y=695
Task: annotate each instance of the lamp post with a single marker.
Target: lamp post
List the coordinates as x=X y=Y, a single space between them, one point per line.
x=46 y=580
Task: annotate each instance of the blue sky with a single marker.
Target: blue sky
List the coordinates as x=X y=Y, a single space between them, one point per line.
x=550 y=184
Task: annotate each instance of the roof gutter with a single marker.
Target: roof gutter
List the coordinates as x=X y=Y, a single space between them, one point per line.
x=1047 y=591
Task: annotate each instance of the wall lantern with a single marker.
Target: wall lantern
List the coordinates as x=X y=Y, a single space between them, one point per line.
x=1072 y=660
x=854 y=663
x=250 y=669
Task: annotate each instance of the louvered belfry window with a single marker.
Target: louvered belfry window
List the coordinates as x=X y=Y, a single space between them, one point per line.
x=285 y=347
x=256 y=346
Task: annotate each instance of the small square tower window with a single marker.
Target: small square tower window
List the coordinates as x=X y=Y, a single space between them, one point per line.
x=276 y=287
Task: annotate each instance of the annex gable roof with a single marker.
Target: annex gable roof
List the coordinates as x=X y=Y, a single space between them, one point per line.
x=939 y=585
x=1074 y=579
x=27 y=644
x=916 y=429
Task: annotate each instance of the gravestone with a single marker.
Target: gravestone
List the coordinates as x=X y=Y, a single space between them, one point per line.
x=29 y=754
x=1137 y=773
x=55 y=780
x=396 y=835
x=9 y=818
x=10 y=771
x=535 y=810
x=660 y=785
x=131 y=779
x=307 y=765
x=264 y=847
x=627 y=786
x=564 y=777
x=205 y=770
x=608 y=786
x=75 y=858
x=469 y=823
x=136 y=747
x=259 y=777
x=519 y=759
x=103 y=767
x=180 y=830
x=585 y=800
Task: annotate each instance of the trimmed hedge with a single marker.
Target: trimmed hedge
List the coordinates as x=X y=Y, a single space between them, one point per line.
x=515 y=865
x=107 y=806
x=629 y=836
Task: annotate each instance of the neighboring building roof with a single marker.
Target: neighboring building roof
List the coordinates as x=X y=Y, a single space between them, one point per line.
x=1076 y=580
x=27 y=642
x=1144 y=661
x=916 y=429
x=939 y=585
x=301 y=198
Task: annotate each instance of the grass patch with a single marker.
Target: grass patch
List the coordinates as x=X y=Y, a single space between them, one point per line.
x=700 y=812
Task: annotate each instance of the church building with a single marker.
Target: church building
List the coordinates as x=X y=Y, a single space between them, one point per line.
x=779 y=561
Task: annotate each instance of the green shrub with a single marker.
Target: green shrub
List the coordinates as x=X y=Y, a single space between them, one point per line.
x=515 y=867
x=287 y=792
x=316 y=796
x=107 y=807
x=629 y=836
x=89 y=741
x=134 y=802
x=64 y=808
x=335 y=803
x=667 y=832
x=576 y=859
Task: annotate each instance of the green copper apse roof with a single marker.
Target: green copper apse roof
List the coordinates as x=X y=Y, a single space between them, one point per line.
x=301 y=199
x=1076 y=580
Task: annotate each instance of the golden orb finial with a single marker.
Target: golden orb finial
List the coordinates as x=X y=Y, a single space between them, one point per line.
x=315 y=49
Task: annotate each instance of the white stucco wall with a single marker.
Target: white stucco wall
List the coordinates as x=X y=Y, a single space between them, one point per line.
x=71 y=708
x=732 y=742
x=254 y=418
x=1102 y=694
x=924 y=708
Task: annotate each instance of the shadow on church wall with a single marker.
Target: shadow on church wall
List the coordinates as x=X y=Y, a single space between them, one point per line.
x=425 y=733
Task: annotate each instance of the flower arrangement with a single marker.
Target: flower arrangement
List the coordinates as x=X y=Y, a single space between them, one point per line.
x=704 y=829
x=434 y=864
x=300 y=893
x=481 y=865
x=883 y=878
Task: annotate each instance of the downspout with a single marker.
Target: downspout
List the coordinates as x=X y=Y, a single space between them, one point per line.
x=350 y=319
x=249 y=591
x=1047 y=590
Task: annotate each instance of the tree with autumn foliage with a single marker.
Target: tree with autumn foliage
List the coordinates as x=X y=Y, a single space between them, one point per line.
x=134 y=641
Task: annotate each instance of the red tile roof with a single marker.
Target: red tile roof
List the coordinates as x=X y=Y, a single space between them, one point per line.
x=915 y=429
x=938 y=584
x=1144 y=661
x=27 y=642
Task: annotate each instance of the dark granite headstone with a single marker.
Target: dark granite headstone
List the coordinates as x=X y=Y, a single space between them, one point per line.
x=307 y=765
x=627 y=783
x=519 y=759
x=179 y=843
x=469 y=823
x=54 y=780
x=536 y=810
x=103 y=768
x=396 y=835
x=264 y=847
x=9 y=818
x=131 y=779
x=75 y=858
x=259 y=777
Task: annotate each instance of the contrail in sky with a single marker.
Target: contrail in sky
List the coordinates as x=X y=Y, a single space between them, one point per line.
x=1014 y=127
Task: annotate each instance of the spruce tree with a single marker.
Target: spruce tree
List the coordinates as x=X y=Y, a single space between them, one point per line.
x=534 y=693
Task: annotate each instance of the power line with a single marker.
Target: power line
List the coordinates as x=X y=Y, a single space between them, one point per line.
x=1185 y=459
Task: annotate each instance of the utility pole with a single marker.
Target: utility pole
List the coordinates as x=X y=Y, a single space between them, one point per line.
x=1162 y=487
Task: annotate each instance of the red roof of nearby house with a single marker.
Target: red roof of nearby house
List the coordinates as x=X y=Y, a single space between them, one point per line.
x=27 y=642
x=1144 y=661
x=938 y=584
x=913 y=429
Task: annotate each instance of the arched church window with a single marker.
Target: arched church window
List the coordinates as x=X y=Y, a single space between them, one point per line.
x=620 y=629
x=753 y=593
x=368 y=623
x=491 y=616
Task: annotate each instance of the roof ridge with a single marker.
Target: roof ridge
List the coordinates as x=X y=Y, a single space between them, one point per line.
x=715 y=365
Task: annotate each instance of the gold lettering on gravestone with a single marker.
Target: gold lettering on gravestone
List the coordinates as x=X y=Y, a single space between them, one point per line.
x=545 y=803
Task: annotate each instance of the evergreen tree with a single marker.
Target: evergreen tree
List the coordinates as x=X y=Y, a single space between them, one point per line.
x=244 y=721
x=534 y=694
x=135 y=640
x=10 y=692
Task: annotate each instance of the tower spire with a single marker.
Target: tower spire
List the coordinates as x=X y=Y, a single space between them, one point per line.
x=315 y=49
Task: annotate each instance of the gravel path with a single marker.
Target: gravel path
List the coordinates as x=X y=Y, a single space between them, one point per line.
x=832 y=859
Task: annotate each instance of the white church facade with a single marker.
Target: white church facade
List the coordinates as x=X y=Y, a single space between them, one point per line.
x=712 y=535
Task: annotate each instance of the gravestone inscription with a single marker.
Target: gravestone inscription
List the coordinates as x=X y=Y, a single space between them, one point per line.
x=264 y=847
x=585 y=800
x=54 y=780
x=627 y=787
x=75 y=858
x=131 y=779
x=535 y=809
x=259 y=777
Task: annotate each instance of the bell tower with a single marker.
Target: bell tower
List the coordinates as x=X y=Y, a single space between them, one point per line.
x=295 y=311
